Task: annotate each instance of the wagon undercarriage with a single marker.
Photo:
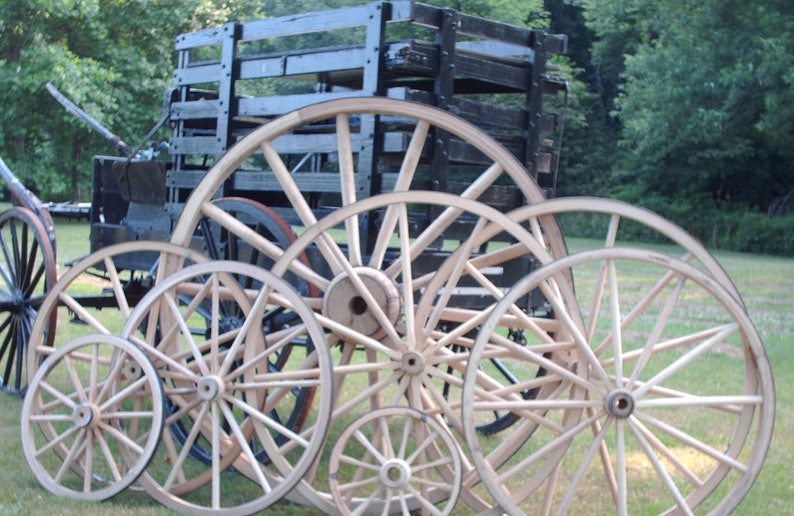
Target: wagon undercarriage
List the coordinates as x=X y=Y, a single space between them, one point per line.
x=359 y=297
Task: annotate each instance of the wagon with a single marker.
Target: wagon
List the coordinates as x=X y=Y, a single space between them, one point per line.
x=349 y=288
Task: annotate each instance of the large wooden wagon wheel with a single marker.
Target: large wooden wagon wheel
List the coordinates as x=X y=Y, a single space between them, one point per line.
x=223 y=390
x=27 y=272
x=393 y=455
x=666 y=402
x=92 y=417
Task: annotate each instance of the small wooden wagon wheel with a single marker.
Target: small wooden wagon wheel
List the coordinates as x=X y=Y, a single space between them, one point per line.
x=224 y=394
x=98 y=293
x=668 y=381
x=27 y=272
x=390 y=461
x=92 y=417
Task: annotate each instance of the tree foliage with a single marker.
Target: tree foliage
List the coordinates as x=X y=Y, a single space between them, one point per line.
x=111 y=57
x=702 y=100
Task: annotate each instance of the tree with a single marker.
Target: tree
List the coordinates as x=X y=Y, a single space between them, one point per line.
x=695 y=103
x=111 y=57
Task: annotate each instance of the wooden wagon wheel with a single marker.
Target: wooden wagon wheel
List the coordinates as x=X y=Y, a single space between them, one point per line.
x=387 y=351
x=389 y=459
x=77 y=413
x=667 y=377
x=97 y=294
x=222 y=388
x=608 y=223
x=498 y=168
x=27 y=272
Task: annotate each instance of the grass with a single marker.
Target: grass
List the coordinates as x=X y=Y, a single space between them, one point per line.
x=766 y=283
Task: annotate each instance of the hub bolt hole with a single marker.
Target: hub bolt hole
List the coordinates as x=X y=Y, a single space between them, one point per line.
x=357 y=305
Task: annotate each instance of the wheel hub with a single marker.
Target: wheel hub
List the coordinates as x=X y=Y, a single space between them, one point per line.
x=131 y=371
x=209 y=388
x=395 y=473
x=85 y=415
x=620 y=403
x=347 y=305
x=412 y=363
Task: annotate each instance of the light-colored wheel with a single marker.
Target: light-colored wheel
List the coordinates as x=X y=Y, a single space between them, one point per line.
x=27 y=272
x=92 y=417
x=229 y=393
x=608 y=223
x=97 y=294
x=390 y=459
x=663 y=398
x=389 y=348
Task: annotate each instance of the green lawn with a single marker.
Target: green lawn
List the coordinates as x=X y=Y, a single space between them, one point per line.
x=766 y=284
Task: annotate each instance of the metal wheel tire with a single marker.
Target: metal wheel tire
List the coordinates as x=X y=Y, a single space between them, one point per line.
x=223 y=390
x=389 y=347
x=390 y=459
x=27 y=272
x=98 y=293
x=92 y=417
x=665 y=402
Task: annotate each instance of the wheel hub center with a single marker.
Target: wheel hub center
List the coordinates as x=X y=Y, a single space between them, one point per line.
x=346 y=304
x=395 y=473
x=208 y=388
x=412 y=363
x=84 y=415
x=620 y=403
x=131 y=371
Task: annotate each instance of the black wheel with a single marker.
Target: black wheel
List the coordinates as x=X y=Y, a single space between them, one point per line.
x=27 y=271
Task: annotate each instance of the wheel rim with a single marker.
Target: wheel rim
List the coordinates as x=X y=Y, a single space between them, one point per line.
x=27 y=272
x=649 y=433
x=397 y=452
x=92 y=417
x=208 y=375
